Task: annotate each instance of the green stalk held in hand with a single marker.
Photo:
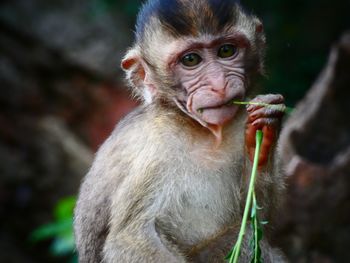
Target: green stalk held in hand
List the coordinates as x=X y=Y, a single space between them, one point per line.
x=234 y=253
x=279 y=107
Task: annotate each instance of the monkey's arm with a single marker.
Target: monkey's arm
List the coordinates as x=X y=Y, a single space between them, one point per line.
x=91 y=219
x=139 y=243
x=133 y=235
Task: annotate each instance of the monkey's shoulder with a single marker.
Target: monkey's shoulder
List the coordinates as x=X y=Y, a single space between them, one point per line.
x=147 y=124
x=144 y=132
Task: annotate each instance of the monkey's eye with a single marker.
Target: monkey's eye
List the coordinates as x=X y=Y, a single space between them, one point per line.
x=227 y=51
x=191 y=60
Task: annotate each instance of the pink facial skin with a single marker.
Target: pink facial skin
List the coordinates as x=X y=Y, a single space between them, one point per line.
x=212 y=85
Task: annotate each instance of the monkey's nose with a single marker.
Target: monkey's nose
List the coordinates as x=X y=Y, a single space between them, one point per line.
x=219 y=88
x=218 y=83
x=219 y=91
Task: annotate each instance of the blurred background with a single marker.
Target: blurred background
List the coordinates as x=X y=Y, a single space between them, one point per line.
x=62 y=92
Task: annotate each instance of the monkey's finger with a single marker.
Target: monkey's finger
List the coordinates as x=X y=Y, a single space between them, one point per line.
x=274 y=107
x=250 y=140
x=262 y=122
x=266 y=112
x=268 y=140
x=267 y=99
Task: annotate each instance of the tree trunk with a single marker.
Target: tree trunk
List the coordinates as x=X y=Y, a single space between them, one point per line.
x=315 y=222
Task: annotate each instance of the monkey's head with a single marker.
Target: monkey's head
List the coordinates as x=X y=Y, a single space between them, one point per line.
x=197 y=55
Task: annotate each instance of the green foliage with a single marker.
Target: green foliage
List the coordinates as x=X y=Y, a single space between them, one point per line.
x=234 y=254
x=257 y=232
x=60 y=230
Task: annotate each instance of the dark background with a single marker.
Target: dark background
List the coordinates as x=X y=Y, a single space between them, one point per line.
x=62 y=92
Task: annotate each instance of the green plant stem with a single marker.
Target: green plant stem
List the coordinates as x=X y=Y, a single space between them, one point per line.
x=273 y=106
x=256 y=238
x=258 y=138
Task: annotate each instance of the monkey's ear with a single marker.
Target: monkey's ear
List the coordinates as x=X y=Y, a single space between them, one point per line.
x=138 y=75
x=132 y=65
x=259 y=27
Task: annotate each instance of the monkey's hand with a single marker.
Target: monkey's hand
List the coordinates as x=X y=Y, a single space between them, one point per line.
x=267 y=119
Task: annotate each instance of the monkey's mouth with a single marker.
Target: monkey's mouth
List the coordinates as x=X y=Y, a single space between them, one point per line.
x=228 y=102
x=218 y=114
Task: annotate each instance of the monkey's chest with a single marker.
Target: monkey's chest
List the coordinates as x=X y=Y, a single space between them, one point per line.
x=204 y=206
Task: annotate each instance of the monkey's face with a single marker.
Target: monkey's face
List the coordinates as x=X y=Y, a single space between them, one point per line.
x=202 y=72
x=210 y=74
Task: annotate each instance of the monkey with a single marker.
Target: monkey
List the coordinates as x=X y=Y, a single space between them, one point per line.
x=169 y=184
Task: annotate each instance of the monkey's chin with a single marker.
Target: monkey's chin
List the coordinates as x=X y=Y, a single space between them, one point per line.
x=218 y=115
x=215 y=118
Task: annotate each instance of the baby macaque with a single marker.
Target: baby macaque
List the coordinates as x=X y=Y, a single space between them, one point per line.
x=170 y=182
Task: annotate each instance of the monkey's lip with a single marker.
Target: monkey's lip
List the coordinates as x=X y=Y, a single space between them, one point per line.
x=228 y=102
x=219 y=114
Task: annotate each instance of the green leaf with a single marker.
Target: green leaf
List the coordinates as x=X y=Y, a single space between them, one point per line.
x=228 y=256
x=51 y=230
x=232 y=252
x=63 y=246
x=61 y=230
x=260 y=234
x=64 y=208
x=233 y=257
x=253 y=211
x=259 y=207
